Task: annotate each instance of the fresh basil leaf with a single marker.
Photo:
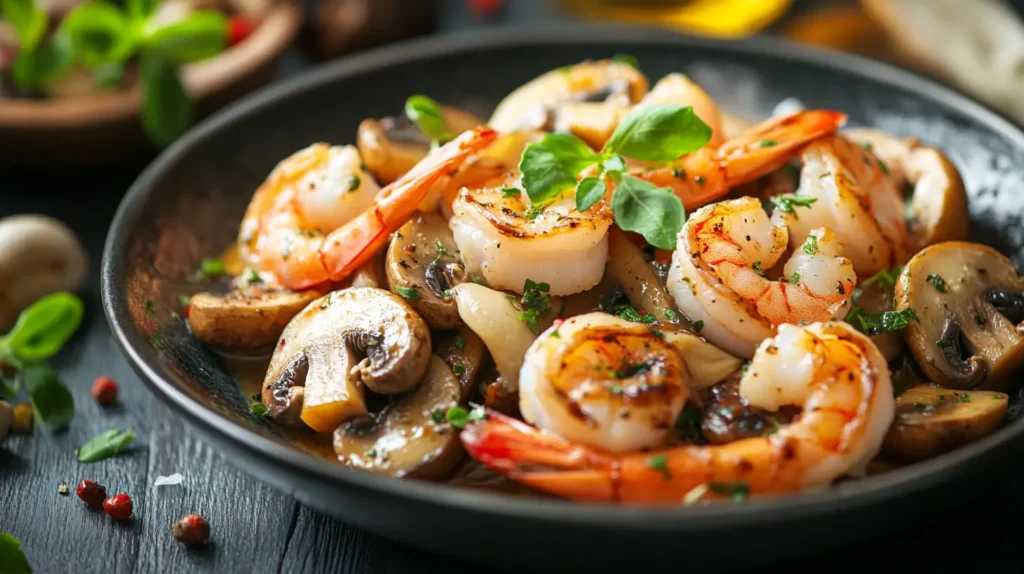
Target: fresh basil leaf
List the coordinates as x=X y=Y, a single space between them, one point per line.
x=659 y=132
x=166 y=109
x=51 y=400
x=28 y=20
x=44 y=327
x=198 y=36
x=105 y=445
x=141 y=9
x=589 y=192
x=12 y=558
x=614 y=163
x=551 y=165
x=654 y=212
x=100 y=33
x=426 y=114
x=48 y=61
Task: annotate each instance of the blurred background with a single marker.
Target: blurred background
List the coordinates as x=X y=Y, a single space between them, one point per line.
x=72 y=90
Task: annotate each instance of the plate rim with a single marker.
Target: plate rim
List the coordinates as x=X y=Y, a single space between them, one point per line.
x=850 y=495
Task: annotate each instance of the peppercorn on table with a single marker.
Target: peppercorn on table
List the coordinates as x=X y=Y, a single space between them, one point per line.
x=253 y=527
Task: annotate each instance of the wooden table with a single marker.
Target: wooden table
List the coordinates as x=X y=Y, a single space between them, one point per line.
x=257 y=529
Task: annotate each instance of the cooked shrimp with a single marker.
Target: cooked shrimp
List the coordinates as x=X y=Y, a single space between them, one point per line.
x=719 y=267
x=319 y=215
x=504 y=239
x=681 y=90
x=832 y=371
x=857 y=200
x=708 y=174
x=604 y=382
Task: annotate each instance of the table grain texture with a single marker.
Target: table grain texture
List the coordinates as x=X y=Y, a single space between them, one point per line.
x=260 y=530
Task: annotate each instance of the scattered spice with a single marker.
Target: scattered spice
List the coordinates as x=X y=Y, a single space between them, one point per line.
x=118 y=507
x=104 y=390
x=192 y=530
x=92 y=494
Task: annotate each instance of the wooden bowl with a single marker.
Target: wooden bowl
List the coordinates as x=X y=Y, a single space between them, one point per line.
x=104 y=128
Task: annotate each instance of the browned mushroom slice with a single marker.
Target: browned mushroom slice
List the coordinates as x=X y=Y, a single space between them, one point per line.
x=247 y=320
x=338 y=344
x=464 y=352
x=586 y=99
x=423 y=266
x=932 y=420
x=878 y=298
x=410 y=436
x=391 y=146
x=969 y=299
x=726 y=417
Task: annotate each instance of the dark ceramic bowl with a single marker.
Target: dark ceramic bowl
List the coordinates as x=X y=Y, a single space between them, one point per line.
x=187 y=205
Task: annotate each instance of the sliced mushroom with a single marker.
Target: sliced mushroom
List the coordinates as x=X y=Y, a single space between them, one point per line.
x=464 y=352
x=423 y=265
x=628 y=266
x=586 y=99
x=931 y=420
x=391 y=146
x=939 y=201
x=245 y=321
x=726 y=417
x=969 y=299
x=339 y=344
x=410 y=436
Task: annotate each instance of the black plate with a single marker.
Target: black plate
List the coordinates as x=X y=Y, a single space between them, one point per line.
x=187 y=205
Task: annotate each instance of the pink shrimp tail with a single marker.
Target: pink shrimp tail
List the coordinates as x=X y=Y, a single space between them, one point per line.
x=354 y=243
x=539 y=459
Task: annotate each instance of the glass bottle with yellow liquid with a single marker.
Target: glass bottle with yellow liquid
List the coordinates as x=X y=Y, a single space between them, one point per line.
x=723 y=18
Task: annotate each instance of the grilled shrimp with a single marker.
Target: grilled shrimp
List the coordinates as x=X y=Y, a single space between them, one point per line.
x=718 y=274
x=319 y=215
x=604 y=382
x=834 y=373
x=501 y=237
x=857 y=200
x=709 y=173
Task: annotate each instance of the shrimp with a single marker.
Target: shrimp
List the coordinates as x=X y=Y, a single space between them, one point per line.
x=833 y=372
x=320 y=215
x=857 y=200
x=506 y=240
x=603 y=381
x=709 y=173
x=718 y=274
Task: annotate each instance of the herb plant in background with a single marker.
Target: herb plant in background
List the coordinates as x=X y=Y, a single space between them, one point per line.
x=105 y=38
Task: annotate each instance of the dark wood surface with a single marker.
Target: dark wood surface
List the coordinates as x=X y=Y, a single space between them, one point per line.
x=258 y=529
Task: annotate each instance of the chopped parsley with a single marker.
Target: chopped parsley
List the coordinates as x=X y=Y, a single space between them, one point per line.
x=757 y=268
x=698 y=325
x=627 y=59
x=737 y=490
x=510 y=192
x=534 y=302
x=438 y=416
x=785 y=203
x=251 y=276
x=353 y=183
x=657 y=462
x=409 y=293
x=965 y=398
x=688 y=424
x=811 y=245
x=458 y=417
x=211 y=268
x=630 y=313
x=979 y=319
x=886 y=278
x=877 y=323
x=942 y=343
x=794 y=278
x=671 y=315
x=258 y=411
x=766 y=143
x=938 y=282
x=371 y=453
x=184 y=300
x=460 y=343
x=459 y=370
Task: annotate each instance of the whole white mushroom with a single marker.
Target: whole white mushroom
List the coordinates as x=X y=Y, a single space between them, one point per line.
x=39 y=255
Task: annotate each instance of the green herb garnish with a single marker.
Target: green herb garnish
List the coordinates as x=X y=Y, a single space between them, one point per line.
x=105 y=445
x=533 y=303
x=658 y=462
x=737 y=490
x=630 y=313
x=458 y=417
x=460 y=343
x=938 y=282
x=786 y=203
x=698 y=325
x=409 y=293
x=627 y=59
x=886 y=278
x=212 y=267
x=258 y=411
x=811 y=245
x=878 y=323
x=426 y=114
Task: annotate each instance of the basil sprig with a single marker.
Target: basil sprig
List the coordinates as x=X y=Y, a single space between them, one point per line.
x=40 y=333
x=103 y=36
x=105 y=445
x=426 y=114
x=656 y=132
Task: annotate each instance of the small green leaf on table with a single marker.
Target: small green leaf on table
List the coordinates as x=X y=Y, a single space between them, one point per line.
x=105 y=445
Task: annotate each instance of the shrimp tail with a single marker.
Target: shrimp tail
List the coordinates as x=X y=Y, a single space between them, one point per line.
x=354 y=243
x=539 y=459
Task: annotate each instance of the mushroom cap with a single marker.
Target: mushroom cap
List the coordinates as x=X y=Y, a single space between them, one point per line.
x=247 y=320
x=968 y=298
x=415 y=261
x=340 y=343
x=584 y=99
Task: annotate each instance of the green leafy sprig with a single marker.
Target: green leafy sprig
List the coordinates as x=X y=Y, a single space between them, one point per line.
x=653 y=133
